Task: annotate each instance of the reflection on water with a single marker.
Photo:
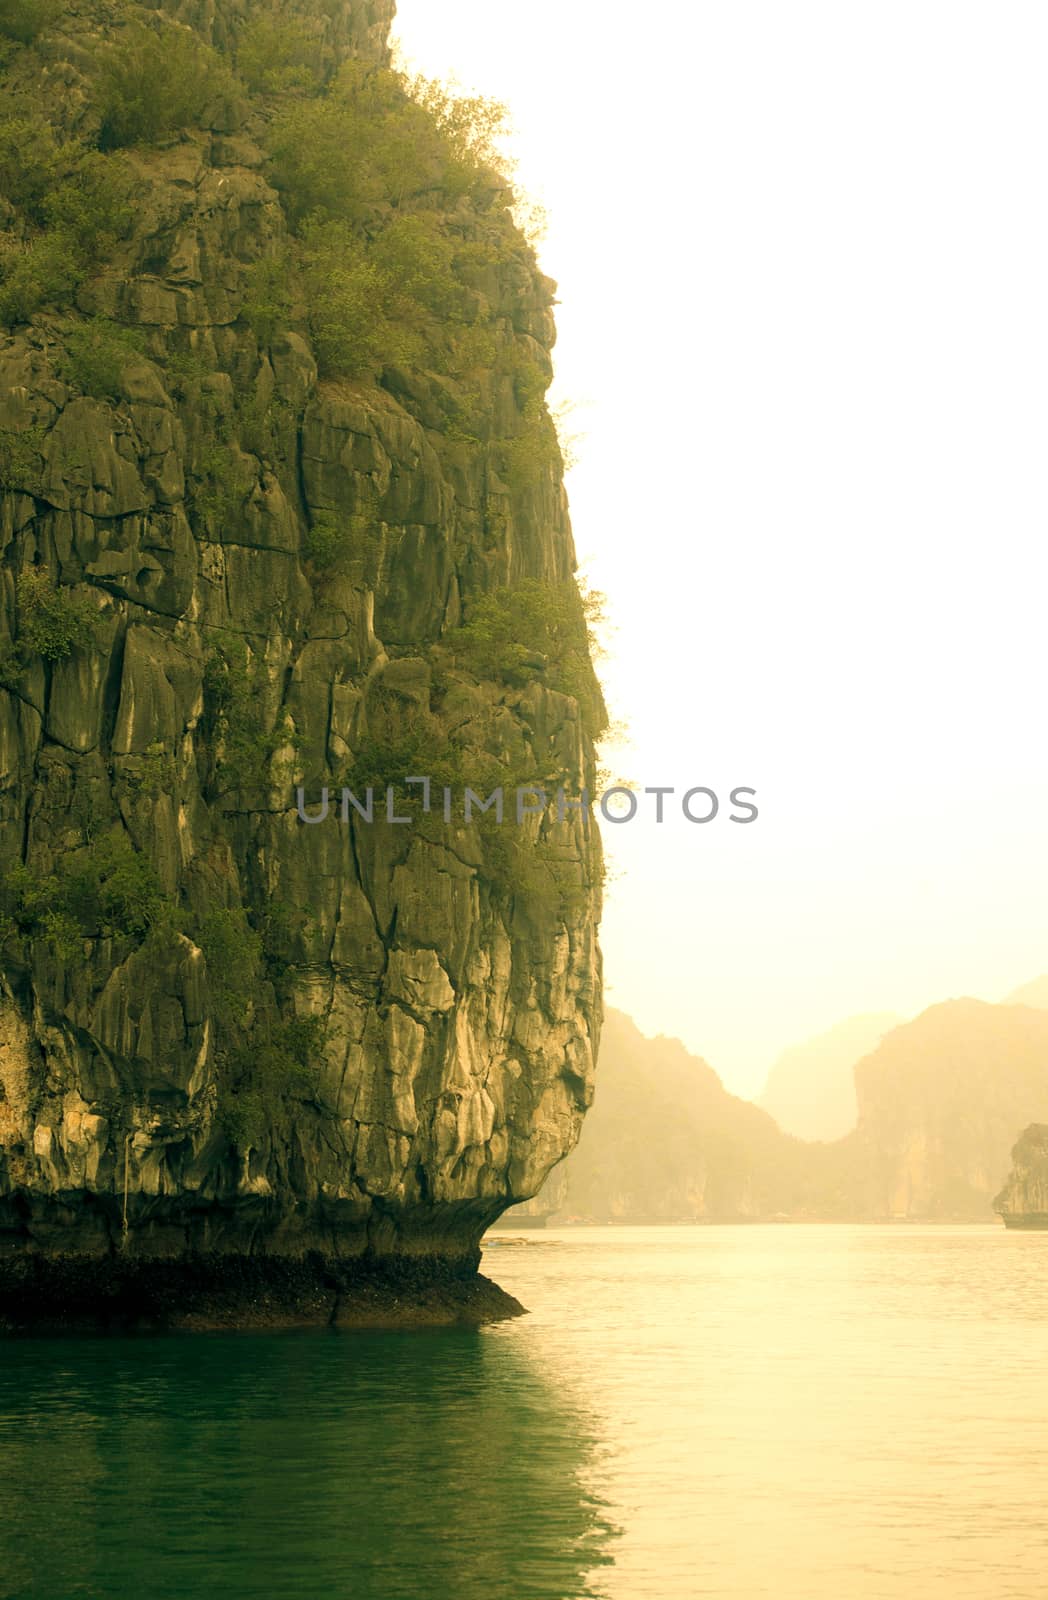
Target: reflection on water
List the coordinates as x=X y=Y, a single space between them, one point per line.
x=797 y=1413
x=806 y=1413
x=422 y=1466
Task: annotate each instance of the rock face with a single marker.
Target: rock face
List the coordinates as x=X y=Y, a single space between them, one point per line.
x=223 y=1030
x=939 y=1102
x=1023 y=1202
x=811 y=1088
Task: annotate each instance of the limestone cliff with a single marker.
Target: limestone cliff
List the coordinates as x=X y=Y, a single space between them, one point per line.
x=811 y=1087
x=939 y=1102
x=1023 y=1202
x=281 y=506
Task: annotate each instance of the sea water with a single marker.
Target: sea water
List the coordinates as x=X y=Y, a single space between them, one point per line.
x=809 y=1413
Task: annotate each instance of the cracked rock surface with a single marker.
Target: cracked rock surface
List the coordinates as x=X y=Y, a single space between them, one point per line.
x=457 y=1012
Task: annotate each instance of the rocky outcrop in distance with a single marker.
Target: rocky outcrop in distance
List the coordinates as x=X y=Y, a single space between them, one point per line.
x=1023 y=1202
x=939 y=1101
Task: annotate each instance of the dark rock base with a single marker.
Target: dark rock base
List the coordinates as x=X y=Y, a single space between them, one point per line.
x=74 y=1295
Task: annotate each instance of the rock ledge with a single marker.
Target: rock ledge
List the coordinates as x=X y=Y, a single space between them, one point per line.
x=199 y=1294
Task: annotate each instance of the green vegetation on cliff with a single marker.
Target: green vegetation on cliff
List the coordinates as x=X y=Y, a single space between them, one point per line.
x=71 y=205
x=22 y=20
x=266 y=1060
x=103 y=889
x=52 y=622
x=95 y=355
x=239 y=740
x=535 y=631
x=153 y=82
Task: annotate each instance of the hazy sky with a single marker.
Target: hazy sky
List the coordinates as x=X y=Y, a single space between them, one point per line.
x=803 y=262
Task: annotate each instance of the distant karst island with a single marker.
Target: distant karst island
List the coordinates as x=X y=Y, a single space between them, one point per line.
x=1023 y=1202
x=939 y=1102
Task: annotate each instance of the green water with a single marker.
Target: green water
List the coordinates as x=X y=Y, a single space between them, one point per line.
x=425 y=1465
x=808 y=1413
